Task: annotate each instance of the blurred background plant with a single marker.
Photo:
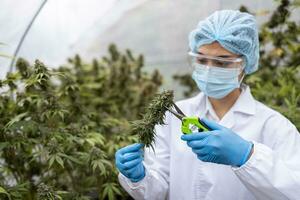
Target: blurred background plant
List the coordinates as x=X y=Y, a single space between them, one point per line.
x=277 y=81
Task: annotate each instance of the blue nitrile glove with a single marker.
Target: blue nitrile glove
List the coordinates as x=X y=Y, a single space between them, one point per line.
x=129 y=162
x=221 y=145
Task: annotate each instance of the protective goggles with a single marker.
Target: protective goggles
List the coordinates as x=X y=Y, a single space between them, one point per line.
x=211 y=61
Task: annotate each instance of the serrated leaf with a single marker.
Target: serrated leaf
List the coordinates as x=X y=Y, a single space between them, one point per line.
x=3 y=191
x=51 y=161
x=59 y=161
x=73 y=159
x=15 y=119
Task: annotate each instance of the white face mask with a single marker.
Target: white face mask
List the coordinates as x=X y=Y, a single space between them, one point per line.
x=216 y=82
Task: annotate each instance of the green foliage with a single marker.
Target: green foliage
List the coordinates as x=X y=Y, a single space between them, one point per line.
x=155 y=114
x=46 y=193
x=187 y=81
x=61 y=128
x=277 y=82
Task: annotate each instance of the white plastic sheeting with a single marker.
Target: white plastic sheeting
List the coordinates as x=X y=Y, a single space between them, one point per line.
x=58 y=28
x=156 y=28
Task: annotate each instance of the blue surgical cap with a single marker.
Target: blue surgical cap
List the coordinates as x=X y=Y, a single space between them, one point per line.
x=234 y=30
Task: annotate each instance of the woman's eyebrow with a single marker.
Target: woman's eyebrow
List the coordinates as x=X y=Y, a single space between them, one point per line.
x=221 y=56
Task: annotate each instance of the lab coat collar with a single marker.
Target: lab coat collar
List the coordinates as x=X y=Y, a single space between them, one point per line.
x=245 y=104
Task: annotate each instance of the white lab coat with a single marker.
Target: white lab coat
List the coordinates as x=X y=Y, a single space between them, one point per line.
x=272 y=172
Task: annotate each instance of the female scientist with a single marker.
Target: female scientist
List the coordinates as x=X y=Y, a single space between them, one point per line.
x=252 y=152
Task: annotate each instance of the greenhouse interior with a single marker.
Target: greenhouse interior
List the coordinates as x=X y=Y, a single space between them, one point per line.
x=149 y=99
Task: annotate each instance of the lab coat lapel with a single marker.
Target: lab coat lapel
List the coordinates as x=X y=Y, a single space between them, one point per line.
x=228 y=120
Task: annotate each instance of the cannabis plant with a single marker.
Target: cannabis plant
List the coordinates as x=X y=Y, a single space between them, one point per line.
x=60 y=128
x=154 y=115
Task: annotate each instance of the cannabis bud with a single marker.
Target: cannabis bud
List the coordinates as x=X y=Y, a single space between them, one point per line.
x=46 y=193
x=155 y=114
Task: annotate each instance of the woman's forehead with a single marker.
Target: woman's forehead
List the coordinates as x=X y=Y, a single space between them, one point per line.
x=215 y=49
